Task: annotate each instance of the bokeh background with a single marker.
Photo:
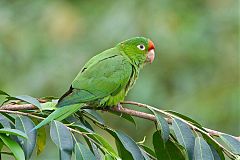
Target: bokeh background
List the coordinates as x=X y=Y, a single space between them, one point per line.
x=44 y=44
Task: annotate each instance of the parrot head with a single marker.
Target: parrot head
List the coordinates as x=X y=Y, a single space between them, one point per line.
x=140 y=50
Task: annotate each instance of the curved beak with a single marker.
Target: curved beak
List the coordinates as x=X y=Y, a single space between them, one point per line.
x=151 y=53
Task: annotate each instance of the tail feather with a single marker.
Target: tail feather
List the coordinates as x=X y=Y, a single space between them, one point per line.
x=59 y=114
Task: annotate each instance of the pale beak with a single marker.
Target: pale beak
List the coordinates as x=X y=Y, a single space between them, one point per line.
x=150 y=55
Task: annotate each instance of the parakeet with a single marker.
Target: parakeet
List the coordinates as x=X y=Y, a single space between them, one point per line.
x=106 y=78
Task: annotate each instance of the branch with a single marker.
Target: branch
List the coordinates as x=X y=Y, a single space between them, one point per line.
x=17 y=107
x=14 y=108
x=210 y=131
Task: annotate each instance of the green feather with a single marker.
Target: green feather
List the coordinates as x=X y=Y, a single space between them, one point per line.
x=59 y=114
x=104 y=80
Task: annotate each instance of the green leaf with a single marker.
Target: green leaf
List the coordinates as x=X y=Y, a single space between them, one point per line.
x=95 y=115
x=48 y=106
x=215 y=153
x=148 y=150
x=41 y=140
x=1 y=144
x=91 y=145
x=125 y=116
x=62 y=137
x=202 y=150
x=108 y=157
x=30 y=100
x=9 y=117
x=186 y=118
x=166 y=150
x=122 y=152
x=59 y=114
x=82 y=152
x=216 y=149
x=13 y=132
x=184 y=136
x=104 y=144
x=13 y=146
x=162 y=125
x=144 y=153
x=128 y=144
x=231 y=142
x=80 y=124
x=50 y=98
x=95 y=150
x=25 y=125
x=5 y=122
x=3 y=93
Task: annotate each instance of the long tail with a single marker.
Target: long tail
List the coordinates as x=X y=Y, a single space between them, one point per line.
x=60 y=114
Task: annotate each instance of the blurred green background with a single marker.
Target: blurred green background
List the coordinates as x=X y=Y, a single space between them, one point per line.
x=44 y=44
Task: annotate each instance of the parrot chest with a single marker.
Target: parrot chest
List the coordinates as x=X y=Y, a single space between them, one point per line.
x=114 y=99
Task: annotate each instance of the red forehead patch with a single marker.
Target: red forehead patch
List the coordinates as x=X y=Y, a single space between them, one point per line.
x=150 y=45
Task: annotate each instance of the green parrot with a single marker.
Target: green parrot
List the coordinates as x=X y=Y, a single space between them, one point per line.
x=106 y=78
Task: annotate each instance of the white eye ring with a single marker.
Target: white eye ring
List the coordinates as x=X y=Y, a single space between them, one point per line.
x=141 y=47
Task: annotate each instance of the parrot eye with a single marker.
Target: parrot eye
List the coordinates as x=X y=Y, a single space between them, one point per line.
x=141 y=47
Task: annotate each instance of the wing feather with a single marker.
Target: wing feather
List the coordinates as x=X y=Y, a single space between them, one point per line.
x=103 y=75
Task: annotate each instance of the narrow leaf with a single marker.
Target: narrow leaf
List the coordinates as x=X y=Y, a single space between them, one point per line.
x=13 y=132
x=83 y=153
x=1 y=145
x=128 y=144
x=166 y=150
x=13 y=146
x=122 y=152
x=95 y=151
x=215 y=153
x=25 y=125
x=48 y=106
x=202 y=151
x=144 y=153
x=108 y=157
x=216 y=149
x=62 y=137
x=3 y=93
x=162 y=125
x=59 y=114
x=148 y=150
x=91 y=146
x=81 y=125
x=41 y=140
x=184 y=136
x=5 y=122
x=30 y=100
x=184 y=117
x=95 y=115
x=104 y=144
x=50 y=98
x=231 y=142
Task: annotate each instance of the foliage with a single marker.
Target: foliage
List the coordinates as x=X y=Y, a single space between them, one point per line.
x=177 y=137
x=44 y=44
